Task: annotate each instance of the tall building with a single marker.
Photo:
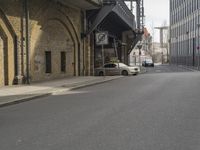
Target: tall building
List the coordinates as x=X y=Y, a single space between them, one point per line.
x=184 y=32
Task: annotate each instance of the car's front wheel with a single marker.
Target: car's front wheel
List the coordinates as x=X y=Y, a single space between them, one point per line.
x=124 y=73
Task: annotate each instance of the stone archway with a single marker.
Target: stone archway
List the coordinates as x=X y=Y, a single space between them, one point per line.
x=3 y=59
x=54 y=38
x=7 y=51
x=53 y=32
x=63 y=16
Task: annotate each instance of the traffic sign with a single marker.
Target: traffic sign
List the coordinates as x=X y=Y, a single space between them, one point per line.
x=102 y=38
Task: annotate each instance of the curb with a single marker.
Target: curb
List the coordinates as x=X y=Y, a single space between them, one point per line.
x=90 y=84
x=69 y=88
x=25 y=99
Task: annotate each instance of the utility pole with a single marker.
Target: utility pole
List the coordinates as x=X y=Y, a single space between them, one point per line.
x=139 y=46
x=131 y=1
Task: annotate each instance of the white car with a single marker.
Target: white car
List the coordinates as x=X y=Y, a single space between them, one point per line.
x=111 y=69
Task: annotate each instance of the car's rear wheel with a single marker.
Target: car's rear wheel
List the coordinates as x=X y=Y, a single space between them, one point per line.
x=101 y=73
x=124 y=73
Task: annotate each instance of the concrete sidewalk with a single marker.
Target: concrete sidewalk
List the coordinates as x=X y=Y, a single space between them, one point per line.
x=193 y=69
x=17 y=94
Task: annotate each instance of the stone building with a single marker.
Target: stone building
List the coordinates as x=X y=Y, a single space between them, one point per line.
x=48 y=39
x=41 y=40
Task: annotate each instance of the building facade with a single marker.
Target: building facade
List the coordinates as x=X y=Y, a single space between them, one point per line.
x=118 y=22
x=51 y=39
x=123 y=32
x=185 y=32
x=41 y=40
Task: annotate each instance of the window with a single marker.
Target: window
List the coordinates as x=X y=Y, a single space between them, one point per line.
x=110 y=66
x=48 y=61
x=113 y=66
x=107 y=66
x=63 y=61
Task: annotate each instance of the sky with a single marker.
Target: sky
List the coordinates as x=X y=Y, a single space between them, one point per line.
x=156 y=14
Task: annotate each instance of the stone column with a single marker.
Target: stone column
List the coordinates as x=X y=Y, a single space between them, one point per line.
x=1 y=63
x=19 y=79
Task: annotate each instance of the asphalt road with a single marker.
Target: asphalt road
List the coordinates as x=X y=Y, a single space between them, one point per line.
x=165 y=69
x=153 y=111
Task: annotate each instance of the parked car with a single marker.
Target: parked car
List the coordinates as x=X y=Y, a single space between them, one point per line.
x=111 y=69
x=148 y=63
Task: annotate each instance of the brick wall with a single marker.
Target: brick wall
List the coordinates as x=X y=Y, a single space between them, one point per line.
x=53 y=27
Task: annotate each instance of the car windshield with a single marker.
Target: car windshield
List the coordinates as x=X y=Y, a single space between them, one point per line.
x=122 y=65
x=149 y=61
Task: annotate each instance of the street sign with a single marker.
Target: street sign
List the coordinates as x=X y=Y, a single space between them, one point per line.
x=102 y=38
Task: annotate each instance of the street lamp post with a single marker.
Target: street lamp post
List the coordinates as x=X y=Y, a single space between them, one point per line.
x=187 y=33
x=169 y=53
x=177 y=51
x=198 y=48
x=139 y=47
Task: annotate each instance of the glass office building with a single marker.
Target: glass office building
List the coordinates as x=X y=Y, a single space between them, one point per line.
x=185 y=32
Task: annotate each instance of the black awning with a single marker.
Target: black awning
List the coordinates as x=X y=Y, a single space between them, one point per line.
x=113 y=24
x=114 y=17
